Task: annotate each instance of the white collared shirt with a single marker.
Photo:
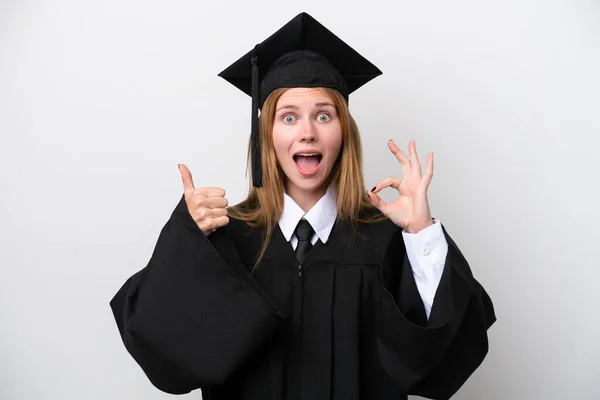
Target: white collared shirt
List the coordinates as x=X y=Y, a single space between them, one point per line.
x=426 y=250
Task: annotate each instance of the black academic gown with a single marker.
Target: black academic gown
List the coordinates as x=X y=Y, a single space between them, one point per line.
x=351 y=326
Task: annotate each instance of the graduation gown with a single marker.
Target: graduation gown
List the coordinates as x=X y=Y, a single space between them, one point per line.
x=350 y=324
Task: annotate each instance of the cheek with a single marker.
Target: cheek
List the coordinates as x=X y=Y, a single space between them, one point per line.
x=334 y=141
x=280 y=144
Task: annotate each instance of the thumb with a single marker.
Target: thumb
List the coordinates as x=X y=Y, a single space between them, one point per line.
x=186 y=177
x=377 y=202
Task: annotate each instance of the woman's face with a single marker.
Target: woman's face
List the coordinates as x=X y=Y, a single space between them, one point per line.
x=307 y=136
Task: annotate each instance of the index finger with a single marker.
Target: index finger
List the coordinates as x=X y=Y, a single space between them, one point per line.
x=186 y=177
x=404 y=161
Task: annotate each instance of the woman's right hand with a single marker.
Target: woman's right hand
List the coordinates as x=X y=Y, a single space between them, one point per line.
x=207 y=206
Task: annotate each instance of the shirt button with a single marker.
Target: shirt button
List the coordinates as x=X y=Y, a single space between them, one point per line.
x=426 y=250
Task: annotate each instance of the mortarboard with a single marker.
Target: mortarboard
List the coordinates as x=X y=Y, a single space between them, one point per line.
x=303 y=53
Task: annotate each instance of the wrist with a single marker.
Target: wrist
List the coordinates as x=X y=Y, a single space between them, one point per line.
x=419 y=227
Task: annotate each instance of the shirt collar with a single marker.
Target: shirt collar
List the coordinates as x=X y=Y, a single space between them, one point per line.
x=321 y=216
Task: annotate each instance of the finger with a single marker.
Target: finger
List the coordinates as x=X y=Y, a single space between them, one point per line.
x=214 y=202
x=416 y=166
x=428 y=170
x=221 y=221
x=404 y=161
x=204 y=216
x=388 y=182
x=213 y=224
x=211 y=192
x=212 y=213
x=378 y=202
x=186 y=177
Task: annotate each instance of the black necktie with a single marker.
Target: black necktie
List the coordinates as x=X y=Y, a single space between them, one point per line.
x=304 y=233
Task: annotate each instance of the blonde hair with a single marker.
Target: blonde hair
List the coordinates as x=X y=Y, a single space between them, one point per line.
x=263 y=206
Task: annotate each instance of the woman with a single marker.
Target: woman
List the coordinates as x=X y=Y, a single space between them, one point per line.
x=311 y=288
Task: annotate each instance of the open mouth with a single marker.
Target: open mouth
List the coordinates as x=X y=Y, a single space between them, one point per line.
x=308 y=162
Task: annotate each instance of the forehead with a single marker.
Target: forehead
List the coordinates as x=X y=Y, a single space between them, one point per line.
x=308 y=96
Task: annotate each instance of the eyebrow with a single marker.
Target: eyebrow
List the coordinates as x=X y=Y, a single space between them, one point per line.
x=287 y=106
x=294 y=107
x=325 y=104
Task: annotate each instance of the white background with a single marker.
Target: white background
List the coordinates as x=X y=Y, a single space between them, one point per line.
x=99 y=101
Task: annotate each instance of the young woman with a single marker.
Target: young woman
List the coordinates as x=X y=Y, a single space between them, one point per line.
x=311 y=288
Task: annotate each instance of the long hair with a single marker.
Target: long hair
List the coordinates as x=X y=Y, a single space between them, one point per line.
x=263 y=206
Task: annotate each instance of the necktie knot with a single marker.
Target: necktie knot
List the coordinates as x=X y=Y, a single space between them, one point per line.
x=304 y=234
x=304 y=231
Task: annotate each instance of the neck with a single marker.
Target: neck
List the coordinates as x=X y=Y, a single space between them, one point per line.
x=306 y=199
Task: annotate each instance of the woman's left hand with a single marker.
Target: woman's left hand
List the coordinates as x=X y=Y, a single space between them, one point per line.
x=411 y=209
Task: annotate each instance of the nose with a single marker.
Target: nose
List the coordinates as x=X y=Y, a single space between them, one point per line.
x=307 y=131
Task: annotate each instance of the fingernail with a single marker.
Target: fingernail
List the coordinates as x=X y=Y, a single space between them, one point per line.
x=372 y=190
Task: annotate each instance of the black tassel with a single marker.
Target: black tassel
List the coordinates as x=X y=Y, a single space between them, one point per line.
x=254 y=134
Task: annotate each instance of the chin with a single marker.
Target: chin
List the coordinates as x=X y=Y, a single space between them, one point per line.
x=307 y=185
x=311 y=187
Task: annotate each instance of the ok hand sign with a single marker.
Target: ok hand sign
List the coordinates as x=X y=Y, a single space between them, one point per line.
x=411 y=209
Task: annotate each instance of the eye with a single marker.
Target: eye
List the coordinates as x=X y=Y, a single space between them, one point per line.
x=289 y=119
x=323 y=117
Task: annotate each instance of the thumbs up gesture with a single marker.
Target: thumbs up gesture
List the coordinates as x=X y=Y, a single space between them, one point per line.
x=207 y=206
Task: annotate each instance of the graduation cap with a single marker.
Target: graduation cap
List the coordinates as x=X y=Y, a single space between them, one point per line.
x=303 y=53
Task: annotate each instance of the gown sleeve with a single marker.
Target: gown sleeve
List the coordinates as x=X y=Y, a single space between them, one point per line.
x=194 y=314
x=431 y=358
